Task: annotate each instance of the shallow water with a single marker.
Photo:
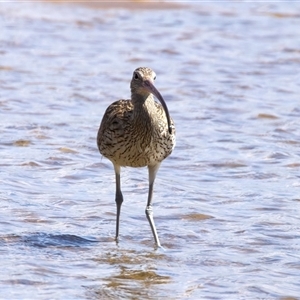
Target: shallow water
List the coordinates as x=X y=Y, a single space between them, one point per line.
x=226 y=202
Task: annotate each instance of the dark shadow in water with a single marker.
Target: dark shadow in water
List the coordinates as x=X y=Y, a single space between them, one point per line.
x=57 y=240
x=43 y=240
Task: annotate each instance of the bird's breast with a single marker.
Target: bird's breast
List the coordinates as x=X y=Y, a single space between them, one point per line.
x=128 y=140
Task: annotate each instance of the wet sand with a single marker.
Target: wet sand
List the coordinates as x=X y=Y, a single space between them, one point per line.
x=124 y=4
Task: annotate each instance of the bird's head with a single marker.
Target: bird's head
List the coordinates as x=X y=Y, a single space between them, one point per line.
x=142 y=85
x=142 y=80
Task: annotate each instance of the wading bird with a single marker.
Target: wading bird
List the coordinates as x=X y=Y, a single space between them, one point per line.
x=137 y=132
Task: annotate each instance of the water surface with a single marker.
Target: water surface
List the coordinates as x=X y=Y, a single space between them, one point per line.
x=226 y=202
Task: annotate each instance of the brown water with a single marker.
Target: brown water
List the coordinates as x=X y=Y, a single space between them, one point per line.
x=226 y=202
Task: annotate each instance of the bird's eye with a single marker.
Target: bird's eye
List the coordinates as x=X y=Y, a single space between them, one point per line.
x=154 y=78
x=136 y=76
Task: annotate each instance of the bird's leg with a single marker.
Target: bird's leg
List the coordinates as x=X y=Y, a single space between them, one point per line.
x=149 y=213
x=119 y=198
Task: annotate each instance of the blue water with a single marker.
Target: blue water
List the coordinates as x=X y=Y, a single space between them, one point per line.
x=226 y=202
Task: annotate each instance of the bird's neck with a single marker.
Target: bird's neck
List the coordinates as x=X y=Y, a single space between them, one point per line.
x=143 y=108
x=139 y=96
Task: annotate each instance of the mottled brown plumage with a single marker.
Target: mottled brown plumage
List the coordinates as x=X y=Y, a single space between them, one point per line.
x=137 y=133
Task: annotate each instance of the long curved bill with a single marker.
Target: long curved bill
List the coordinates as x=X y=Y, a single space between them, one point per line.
x=152 y=89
